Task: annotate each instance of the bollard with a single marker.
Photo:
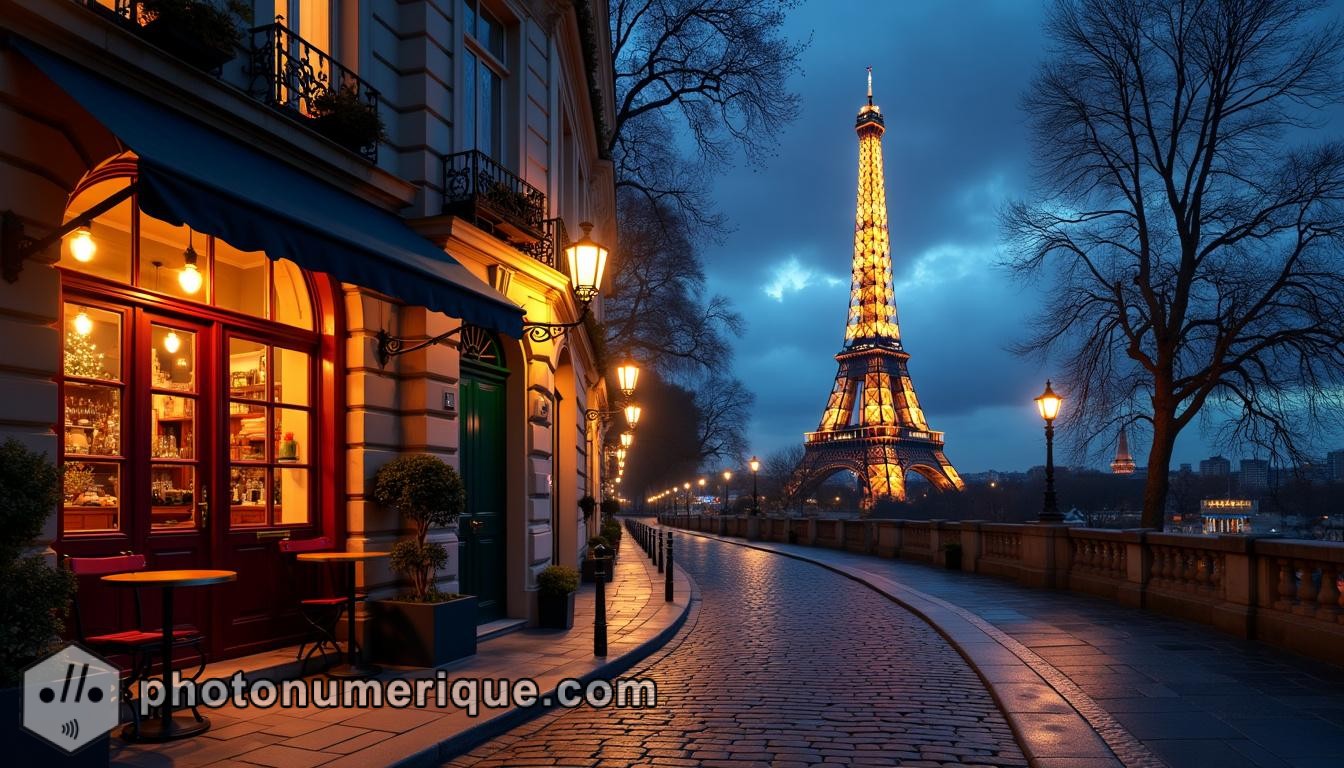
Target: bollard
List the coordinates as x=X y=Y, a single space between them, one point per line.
x=600 y=601
x=667 y=584
x=659 y=558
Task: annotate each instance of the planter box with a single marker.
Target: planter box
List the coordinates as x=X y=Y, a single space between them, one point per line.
x=555 y=611
x=422 y=634
x=589 y=570
x=202 y=54
x=952 y=559
x=23 y=748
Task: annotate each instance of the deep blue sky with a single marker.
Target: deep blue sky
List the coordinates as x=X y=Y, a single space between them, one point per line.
x=948 y=77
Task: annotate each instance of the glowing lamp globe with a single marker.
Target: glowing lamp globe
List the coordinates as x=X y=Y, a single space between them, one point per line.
x=627 y=375
x=1048 y=403
x=83 y=324
x=627 y=439
x=82 y=246
x=190 y=277
x=587 y=260
x=172 y=342
x=755 y=464
x=632 y=415
x=727 y=475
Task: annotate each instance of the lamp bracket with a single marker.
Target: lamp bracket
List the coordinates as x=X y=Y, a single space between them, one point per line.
x=16 y=247
x=390 y=346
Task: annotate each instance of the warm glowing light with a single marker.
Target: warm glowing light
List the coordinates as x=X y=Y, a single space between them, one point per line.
x=171 y=342
x=620 y=454
x=627 y=376
x=83 y=324
x=627 y=439
x=727 y=475
x=755 y=464
x=701 y=482
x=632 y=415
x=686 y=486
x=82 y=246
x=587 y=260
x=1048 y=403
x=190 y=277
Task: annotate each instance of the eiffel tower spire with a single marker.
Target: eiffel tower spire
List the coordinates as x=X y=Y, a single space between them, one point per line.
x=873 y=425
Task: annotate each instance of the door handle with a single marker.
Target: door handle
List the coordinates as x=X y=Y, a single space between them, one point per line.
x=203 y=506
x=475 y=525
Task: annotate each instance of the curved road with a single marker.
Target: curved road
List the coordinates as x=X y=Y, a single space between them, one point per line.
x=781 y=663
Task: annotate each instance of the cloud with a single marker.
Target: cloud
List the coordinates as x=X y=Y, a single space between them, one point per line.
x=791 y=276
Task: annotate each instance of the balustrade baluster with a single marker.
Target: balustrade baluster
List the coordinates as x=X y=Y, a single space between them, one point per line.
x=1286 y=591
x=1327 y=598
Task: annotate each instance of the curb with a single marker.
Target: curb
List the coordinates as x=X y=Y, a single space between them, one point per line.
x=466 y=740
x=1063 y=729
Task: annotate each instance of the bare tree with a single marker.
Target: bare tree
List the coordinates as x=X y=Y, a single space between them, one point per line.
x=715 y=69
x=723 y=409
x=1193 y=232
x=777 y=470
x=657 y=309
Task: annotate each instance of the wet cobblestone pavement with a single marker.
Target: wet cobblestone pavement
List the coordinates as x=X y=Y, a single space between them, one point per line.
x=782 y=663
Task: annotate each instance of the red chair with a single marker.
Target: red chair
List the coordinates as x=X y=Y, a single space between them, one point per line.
x=321 y=613
x=140 y=645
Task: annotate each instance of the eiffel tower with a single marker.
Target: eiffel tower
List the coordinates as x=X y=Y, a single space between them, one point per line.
x=873 y=425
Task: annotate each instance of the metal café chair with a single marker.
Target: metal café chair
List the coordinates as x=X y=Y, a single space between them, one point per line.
x=321 y=613
x=140 y=645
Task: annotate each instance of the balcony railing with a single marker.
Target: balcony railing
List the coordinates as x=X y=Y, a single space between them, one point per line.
x=550 y=249
x=478 y=188
x=873 y=431
x=296 y=77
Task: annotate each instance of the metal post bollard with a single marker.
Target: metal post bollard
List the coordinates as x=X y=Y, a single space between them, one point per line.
x=600 y=600
x=659 y=558
x=667 y=583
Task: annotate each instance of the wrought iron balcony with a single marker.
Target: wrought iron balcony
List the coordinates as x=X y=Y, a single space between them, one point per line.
x=550 y=249
x=478 y=188
x=309 y=86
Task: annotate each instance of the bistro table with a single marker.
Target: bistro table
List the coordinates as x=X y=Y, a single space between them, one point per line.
x=166 y=728
x=354 y=666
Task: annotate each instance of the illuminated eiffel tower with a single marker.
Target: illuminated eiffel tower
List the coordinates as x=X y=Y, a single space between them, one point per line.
x=873 y=425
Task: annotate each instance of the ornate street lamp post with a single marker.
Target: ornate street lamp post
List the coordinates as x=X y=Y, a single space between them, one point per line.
x=1048 y=404
x=755 y=465
x=727 y=475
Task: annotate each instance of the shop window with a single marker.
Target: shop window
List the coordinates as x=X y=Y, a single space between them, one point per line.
x=172 y=428
x=242 y=280
x=92 y=407
x=270 y=430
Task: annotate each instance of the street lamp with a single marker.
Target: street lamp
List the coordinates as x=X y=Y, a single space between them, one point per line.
x=701 y=482
x=727 y=475
x=755 y=465
x=1048 y=404
x=627 y=439
x=627 y=375
x=632 y=412
x=687 y=487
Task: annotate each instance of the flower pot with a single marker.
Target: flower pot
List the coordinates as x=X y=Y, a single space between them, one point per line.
x=952 y=559
x=423 y=634
x=23 y=748
x=555 y=611
x=207 y=55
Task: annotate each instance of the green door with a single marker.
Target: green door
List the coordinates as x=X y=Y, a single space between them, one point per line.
x=482 y=529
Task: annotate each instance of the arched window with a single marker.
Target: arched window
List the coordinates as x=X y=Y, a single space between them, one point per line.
x=190 y=378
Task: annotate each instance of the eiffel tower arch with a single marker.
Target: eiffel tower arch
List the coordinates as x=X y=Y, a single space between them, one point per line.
x=873 y=425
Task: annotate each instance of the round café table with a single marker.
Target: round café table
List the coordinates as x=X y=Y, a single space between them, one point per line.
x=354 y=666
x=167 y=728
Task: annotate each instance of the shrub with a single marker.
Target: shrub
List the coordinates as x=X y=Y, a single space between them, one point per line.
x=611 y=531
x=596 y=540
x=429 y=493
x=34 y=597
x=610 y=508
x=347 y=118
x=212 y=25
x=558 y=581
x=587 y=504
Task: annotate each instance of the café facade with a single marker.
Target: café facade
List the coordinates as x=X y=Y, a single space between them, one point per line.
x=199 y=289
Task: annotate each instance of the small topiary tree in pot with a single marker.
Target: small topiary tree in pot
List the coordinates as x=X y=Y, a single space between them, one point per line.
x=423 y=627
x=555 y=597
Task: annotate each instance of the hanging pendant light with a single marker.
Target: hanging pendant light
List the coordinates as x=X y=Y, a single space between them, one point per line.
x=190 y=277
x=172 y=343
x=82 y=246
x=83 y=324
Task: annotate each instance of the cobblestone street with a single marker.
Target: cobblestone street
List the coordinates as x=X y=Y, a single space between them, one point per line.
x=782 y=663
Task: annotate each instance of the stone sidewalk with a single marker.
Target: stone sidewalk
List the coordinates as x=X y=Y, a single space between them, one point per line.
x=639 y=621
x=1155 y=690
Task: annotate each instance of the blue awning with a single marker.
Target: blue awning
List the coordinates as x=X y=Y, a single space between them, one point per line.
x=192 y=174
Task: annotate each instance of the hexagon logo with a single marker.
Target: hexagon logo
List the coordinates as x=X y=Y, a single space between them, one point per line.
x=70 y=699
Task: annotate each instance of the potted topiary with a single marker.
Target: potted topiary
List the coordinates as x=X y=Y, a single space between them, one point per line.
x=587 y=504
x=347 y=118
x=200 y=33
x=555 y=597
x=589 y=564
x=611 y=531
x=610 y=508
x=423 y=627
x=952 y=556
x=34 y=598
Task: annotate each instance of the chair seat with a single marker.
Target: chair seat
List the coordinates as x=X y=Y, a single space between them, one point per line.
x=139 y=638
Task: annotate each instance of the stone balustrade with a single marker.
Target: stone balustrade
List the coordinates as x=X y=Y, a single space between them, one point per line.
x=1282 y=591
